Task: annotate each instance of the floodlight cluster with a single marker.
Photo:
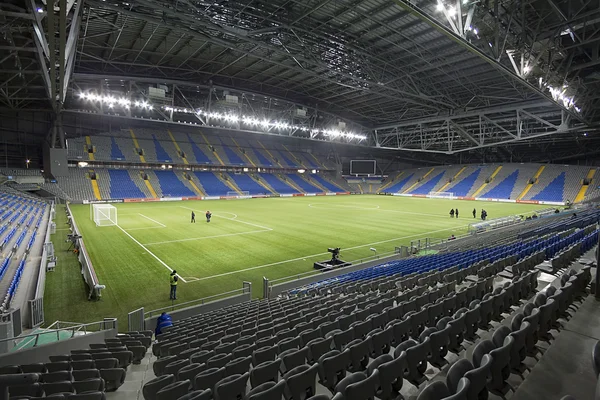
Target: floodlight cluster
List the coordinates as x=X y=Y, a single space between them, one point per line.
x=249 y=121
x=111 y=101
x=265 y=123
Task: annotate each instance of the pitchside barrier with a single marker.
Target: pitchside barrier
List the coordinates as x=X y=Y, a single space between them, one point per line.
x=36 y=305
x=140 y=320
x=87 y=268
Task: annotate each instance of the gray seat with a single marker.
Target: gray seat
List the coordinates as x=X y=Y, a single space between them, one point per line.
x=360 y=351
x=97 y=395
x=89 y=385
x=244 y=350
x=456 y=333
x=499 y=365
x=478 y=377
x=332 y=367
x=267 y=391
x=231 y=387
x=596 y=358
x=380 y=341
x=391 y=376
x=208 y=378
x=401 y=331
x=58 y=387
x=416 y=359
x=198 y=395
x=342 y=338
x=50 y=367
x=267 y=371
x=159 y=365
x=287 y=344
x=349 y=380
x=364 y=388
x=173 y=390
x=267 y=353
x=301 y=382
x=292 y=358
x=318 y=347
x=438 y=346
x=239 y=366
x=113 y=378
x=105 y=363
x=38 y=368
x=58 y=376
x=174 y=367
x=190 y=371
x=201 y=357
x=218 y=360
x=31 y=390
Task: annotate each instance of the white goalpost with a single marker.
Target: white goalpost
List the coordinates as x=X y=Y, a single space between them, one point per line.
x=442 y=195
x=243 y=194
x=103 y=214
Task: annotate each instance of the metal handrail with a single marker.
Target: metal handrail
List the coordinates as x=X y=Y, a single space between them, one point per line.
x=75 y=328
x=172 y=307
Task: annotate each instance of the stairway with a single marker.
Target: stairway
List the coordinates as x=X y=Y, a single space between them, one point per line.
x=137 y=145
x=418 y=181
x=226 y=179
x=262 y=183
x=533 y=182
x=584 y=188
x=443 y=188
x=491 y=179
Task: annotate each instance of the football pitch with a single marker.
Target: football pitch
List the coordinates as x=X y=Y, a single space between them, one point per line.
x=246 y=240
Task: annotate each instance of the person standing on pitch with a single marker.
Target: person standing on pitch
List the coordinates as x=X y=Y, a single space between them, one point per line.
x=208 y=216
x=456 y=213
x=173 y=281
x=452 y=213
x=474 y=213
x=193 y=218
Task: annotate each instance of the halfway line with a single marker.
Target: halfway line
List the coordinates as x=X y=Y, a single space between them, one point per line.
x=149 y=252
x=153 y=220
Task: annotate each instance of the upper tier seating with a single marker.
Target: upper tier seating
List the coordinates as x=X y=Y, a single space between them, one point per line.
x=121 y=185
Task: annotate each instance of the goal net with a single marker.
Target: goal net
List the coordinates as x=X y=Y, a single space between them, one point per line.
x=103 y=214
x=441 y=195
x=243 y=194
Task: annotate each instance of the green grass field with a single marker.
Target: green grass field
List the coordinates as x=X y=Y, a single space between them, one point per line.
x=246 y=240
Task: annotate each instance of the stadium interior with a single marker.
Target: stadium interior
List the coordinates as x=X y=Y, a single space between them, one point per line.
x=329 y=139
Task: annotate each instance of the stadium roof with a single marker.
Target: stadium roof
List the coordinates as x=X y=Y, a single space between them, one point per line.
x=425 y=75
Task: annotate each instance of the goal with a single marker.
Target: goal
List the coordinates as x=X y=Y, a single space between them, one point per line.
x=103 y=214
x=243 y=194
x=441 y=195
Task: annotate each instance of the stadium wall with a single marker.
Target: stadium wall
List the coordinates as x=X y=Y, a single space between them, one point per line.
x=553 y=203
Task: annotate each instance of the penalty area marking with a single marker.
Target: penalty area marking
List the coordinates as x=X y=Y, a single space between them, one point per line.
x=149 y=252
x=234 y=219
x=321 y=254
x=206 y=237
x=153 y=220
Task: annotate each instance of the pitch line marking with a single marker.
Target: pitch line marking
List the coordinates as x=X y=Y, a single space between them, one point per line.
x=150 y=227
x=321 y=254
x=153 y=220
x=149 y=252
x=234 y=219
x=380 y=209
x=206 y=237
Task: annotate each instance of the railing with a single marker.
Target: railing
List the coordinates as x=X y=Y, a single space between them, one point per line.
x=59 y=328
x=87 y=268
x=246 y=288
x=36 y=305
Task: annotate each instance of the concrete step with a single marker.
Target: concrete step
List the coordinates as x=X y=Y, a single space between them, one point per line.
x=137 y=376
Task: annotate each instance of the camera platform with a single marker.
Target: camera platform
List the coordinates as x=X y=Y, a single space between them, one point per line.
x=335 y=261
